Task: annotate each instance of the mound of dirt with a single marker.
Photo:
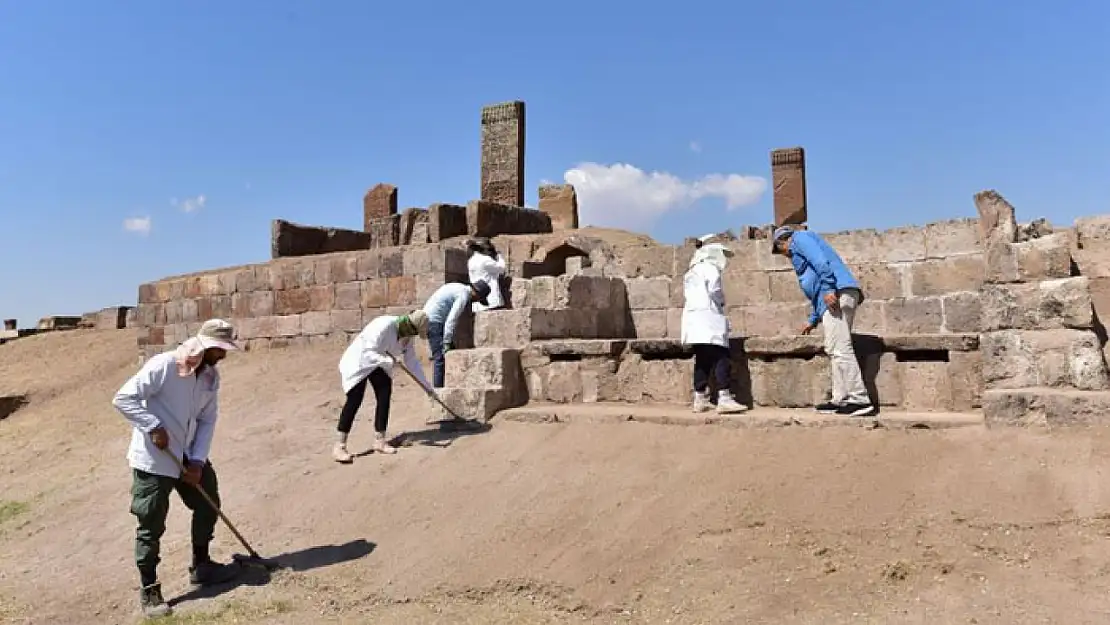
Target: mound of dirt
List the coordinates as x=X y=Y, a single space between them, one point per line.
x=558 y=523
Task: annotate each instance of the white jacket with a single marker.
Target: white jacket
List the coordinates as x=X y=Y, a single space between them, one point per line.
x=372 y=349
x=185 y=406
x=703 y=315
x=482 y=268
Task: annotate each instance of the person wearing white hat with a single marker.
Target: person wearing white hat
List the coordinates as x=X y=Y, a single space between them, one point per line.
x=172 y=405
x=705 y=326
x=369 y=359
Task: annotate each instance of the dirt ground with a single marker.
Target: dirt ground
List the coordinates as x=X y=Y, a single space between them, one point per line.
x=559 y=523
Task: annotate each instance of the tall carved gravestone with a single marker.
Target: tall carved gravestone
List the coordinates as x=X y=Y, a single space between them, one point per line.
x=788 y=173
x=503 y=153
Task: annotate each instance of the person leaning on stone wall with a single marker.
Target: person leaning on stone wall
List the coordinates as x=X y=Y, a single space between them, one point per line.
x=445 y=309
x=486 y=265
x=835 y=294
x=705 y=326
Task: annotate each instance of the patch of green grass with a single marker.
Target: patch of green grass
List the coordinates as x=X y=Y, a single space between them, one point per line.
x=235 y=611
x=12 y=509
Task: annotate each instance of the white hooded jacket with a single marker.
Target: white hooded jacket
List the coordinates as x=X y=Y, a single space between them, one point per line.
x=704 y=319
x=372 y=349
x=482 y=268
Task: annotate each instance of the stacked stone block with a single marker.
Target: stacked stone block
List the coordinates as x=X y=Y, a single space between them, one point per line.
x=480 y=382
x=295 y=300
x=1042 y=354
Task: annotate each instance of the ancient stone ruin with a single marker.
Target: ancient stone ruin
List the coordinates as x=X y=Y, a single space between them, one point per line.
x=962 y=315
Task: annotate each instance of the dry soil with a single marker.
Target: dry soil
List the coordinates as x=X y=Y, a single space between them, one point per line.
x=559 y=523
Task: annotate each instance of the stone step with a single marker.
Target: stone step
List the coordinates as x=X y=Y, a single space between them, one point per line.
x=675 y=414
x=1042 y=406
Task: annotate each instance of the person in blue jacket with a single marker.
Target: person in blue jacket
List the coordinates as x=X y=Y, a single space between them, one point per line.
x=835 y=294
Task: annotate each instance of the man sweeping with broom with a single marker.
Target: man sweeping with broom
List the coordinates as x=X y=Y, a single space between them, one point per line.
x=172 y=405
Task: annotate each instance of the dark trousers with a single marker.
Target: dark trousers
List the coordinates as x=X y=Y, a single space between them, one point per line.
x=711 y=361
x=150 y=503
x=439 y=354
x=383 y=393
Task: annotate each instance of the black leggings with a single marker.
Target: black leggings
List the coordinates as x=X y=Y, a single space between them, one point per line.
x=711 y=361
x=383 y=392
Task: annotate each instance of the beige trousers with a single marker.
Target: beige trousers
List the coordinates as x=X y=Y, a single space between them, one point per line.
x=847 y=379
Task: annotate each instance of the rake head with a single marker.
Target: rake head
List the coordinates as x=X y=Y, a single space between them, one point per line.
x=255 y=561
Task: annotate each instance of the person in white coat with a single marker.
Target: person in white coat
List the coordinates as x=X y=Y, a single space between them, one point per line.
x=705 y=327
x=369 y=359
x=488 y=266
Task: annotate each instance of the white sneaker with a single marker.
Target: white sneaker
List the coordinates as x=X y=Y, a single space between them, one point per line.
x=382 y=446
x=340 y=453
x=701 y=402
x=726 y=404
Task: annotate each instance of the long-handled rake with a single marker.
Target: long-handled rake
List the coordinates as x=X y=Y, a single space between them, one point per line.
x=430 y=393
x=253 y=559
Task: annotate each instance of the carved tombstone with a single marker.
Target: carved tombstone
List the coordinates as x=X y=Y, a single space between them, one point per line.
x=503 y=153
x=788 y=172
x=378 y=203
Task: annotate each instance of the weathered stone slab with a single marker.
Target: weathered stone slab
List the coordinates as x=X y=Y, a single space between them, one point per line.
x=560 y=201
x=384 y=231
x=379 y=202
x=902 y=245
x=1049 y=358
x=788 y=174
x=1044 y=258
x=586 y=348
x=486 y=368
x=789 y=382
x=59 y=322
x=1045 y=407
x=290 y=239
x=649 y=323
x=913 y=315
x=946 y=275
x=963 y=312
x=414 y=229
x=927 y=386
x=112 y=318
x=446 y=221
x=931 y=342
x=953 y=237
x=1051 y=304
x=877 y=280
x=996 y=217
x=489 y=219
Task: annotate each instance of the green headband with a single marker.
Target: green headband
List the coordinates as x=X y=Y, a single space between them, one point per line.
x=406 y=325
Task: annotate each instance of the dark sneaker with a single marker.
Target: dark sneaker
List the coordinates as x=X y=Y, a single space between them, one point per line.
x=827 y=408
x=152 y=603
x=857 y=410
x=211 y=573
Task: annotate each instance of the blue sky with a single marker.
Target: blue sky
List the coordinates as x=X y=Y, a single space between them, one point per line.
x=115 y=110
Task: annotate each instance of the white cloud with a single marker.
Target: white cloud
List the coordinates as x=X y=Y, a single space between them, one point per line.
x=625 y=196
x=139 y=225
x=189 y=204
x=695 y=147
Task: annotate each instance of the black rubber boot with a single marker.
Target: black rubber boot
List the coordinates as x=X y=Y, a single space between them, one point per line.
x=152 y=603
x=209 y=573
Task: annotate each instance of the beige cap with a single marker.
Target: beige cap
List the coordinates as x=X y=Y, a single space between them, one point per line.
x=217 y=333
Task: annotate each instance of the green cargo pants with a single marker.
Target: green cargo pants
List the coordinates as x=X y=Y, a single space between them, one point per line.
x=150 y=503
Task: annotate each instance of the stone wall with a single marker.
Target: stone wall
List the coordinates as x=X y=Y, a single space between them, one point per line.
x=292 y=301
x=958 y=314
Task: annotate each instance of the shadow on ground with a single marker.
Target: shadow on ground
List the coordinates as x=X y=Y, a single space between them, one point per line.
x=298 y=561
x=438 y=435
